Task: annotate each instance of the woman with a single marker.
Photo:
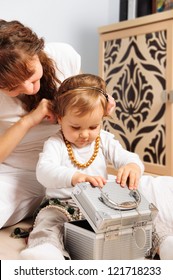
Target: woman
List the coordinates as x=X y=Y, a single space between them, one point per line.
x=30 y=74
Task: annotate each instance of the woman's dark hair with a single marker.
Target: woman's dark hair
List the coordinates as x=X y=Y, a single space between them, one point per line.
x=18 y=47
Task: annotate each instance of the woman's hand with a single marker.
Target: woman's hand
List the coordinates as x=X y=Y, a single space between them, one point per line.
x=129 y=175
x=42 y=111
x=12 y=136
x=96 y=181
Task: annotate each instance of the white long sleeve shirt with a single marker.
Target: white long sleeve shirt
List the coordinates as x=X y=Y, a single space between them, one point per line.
x=55 y=169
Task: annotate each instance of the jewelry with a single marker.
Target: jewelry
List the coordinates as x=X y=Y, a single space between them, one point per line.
x=92 y=158
x=87 y=88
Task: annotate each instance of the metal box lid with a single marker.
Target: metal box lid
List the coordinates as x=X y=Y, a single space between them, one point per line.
x=104 y=218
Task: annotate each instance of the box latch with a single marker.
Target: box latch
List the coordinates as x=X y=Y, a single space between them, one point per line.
x=111 y=233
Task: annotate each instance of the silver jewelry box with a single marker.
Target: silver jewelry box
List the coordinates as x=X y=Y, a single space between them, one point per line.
x=118 y=224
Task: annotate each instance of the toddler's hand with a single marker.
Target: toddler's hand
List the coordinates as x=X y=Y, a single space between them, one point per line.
x=93 y=180
x=129 y=175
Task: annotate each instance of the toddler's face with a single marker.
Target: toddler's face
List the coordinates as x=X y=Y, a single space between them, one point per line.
x=81 y=130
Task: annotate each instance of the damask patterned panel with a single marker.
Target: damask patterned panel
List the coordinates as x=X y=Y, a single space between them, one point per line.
x=134 y=69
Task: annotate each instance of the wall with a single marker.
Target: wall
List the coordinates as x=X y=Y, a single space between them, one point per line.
x=72 y=21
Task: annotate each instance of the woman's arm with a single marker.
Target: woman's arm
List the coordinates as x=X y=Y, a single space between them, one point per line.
x=12 y=136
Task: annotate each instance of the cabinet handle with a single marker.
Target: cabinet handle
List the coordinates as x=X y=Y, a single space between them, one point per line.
x=171 y=96
x=164 y=96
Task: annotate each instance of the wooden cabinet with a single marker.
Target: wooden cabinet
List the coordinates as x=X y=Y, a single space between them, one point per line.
x=136 y=61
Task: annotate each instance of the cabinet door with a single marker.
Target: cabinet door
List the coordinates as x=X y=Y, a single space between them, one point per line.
x=136 y=64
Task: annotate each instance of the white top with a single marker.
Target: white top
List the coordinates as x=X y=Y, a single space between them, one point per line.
x=55 y=169
x=25 y=155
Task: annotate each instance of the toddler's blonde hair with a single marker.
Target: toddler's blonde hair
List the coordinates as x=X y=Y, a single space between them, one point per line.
x=82 y=93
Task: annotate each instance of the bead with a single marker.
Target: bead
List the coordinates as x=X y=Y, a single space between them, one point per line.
x=72 y=157
x=70 y=210
x=17 y=231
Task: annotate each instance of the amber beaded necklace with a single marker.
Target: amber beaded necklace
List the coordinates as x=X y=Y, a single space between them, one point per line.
x=92 y=158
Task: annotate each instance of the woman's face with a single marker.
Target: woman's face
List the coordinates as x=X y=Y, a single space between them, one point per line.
x=30 y=86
